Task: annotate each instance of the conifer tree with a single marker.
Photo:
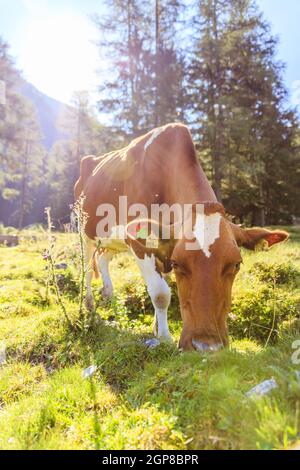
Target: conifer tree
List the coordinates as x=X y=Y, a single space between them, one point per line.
x=237 y=106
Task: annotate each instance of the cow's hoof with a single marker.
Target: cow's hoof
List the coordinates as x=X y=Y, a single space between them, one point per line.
x=89 y=302
x=152 y=343
x=106 y=293
x=165 y=339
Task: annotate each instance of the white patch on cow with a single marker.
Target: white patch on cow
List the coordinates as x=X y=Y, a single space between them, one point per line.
x=103 y=263
x=207 y=231
x=159 y=292
x=89 y=250
x=154 y=135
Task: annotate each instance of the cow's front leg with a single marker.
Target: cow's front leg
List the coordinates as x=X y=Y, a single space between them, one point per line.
x=160 y=294
x=103 y=263
x=89 y=251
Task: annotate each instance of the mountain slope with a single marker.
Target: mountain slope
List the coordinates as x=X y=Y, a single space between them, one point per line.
x=48 y=111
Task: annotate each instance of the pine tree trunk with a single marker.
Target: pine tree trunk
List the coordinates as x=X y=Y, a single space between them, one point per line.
x=129 y=38
x=157 y=54
x=262 y=209
x=78 y=136
x=23 y=188
x=217 y=116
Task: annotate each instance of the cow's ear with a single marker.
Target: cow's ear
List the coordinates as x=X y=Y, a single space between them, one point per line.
x=253 y=238
x=147 y=237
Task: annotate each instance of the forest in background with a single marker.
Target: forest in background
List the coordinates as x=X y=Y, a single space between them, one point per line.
x=208 y=63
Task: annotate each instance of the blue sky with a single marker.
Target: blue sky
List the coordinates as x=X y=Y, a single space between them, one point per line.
x=48 y=35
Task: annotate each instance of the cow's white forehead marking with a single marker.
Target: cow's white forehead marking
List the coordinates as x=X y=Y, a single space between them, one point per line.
x=154 y=135
x=207 y=231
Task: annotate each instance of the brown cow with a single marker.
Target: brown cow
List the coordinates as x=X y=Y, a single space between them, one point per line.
x=161 y=168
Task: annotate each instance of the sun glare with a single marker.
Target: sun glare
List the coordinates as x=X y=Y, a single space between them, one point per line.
x=59 y=55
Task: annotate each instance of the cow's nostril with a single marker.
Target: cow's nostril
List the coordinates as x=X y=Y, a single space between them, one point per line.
x=204 y=347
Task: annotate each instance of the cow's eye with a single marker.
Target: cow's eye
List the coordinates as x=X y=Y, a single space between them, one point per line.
x=175 y=265
x=238 y=266
x=178 y=268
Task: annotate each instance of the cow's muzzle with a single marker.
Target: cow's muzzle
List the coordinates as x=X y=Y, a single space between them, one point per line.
x=195 y=341
x=205 y=347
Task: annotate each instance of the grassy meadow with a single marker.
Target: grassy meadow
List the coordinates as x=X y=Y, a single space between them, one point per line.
x=143 y=398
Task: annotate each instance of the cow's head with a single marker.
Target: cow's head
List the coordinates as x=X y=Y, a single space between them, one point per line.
x=206 y=263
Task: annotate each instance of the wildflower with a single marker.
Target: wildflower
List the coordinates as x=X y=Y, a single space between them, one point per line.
x=46 y=255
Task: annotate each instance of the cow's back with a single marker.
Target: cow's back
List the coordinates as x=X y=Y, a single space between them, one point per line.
x=150 y=170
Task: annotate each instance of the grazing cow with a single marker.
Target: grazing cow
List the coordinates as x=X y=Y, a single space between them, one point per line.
x=161 y=168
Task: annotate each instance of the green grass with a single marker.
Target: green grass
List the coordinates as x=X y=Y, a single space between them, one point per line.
x=140 y=398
